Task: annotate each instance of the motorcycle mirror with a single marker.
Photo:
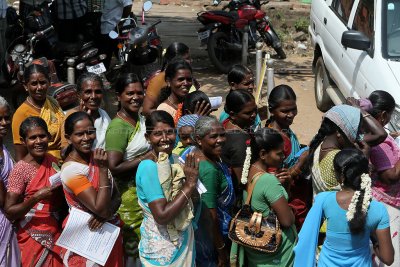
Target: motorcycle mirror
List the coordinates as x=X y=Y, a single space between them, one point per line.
x=113 y=35
x=147 y=6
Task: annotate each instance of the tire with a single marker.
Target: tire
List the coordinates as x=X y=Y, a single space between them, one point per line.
x=279 y=51
x=272 y=39
x=321 y=83
x=221 y=57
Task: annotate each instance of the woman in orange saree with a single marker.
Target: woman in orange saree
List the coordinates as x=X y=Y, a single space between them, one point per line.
x=32 y=202
x=88 y=186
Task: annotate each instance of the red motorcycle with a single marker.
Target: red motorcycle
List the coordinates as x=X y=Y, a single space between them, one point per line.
x=224 y=32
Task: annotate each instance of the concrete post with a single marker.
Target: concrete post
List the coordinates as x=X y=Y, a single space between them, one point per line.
x=258 y=66
x=245 y=45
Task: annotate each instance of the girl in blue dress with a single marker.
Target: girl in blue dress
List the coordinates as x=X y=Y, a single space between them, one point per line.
x=353 y=220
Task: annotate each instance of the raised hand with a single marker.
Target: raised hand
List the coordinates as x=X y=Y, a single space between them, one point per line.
x=191 y=169
x=202 y=108
x=283 y=176
x=100 y=158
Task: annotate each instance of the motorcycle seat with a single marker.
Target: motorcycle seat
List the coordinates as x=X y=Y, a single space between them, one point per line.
x=232 y=15
x=69 y=49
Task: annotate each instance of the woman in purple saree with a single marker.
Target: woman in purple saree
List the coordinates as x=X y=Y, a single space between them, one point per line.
x=9 y=250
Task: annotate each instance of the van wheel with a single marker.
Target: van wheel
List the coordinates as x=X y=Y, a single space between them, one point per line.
x=321 y=83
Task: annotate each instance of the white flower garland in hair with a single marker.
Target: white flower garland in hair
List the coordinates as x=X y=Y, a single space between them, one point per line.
x=352 y=207
x=246 y=166
x=366 y=186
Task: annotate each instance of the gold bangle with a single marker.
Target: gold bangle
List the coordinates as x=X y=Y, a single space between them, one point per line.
x=366 y=115
x=185 y=195
x=104 y=186
x=221 y=247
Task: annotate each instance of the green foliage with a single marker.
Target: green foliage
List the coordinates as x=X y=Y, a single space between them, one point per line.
x=301 y=24
x=283 y=36
x=279 y=15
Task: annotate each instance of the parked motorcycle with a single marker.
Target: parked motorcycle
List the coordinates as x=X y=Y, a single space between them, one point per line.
x=19 y=55
x=77 y=58
x=224 y=32
x=139 y=45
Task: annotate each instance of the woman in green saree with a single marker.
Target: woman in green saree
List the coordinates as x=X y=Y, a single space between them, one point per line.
x=126 y=147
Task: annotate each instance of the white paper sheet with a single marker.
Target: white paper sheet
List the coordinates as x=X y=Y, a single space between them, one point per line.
x=93 y=245
x=215 y=101
x=55 y=179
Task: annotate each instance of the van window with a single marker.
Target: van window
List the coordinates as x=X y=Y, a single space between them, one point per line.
x=364 y=18
x=391 y=30
x=342 y=9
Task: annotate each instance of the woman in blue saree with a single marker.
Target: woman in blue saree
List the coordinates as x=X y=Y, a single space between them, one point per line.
x=167 y=237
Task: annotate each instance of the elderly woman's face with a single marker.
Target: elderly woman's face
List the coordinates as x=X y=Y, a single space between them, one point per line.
x=91 y=94
x=162 y=138
x=213 y=142
x=5 y=121
x=37 y=86
x=36 y=141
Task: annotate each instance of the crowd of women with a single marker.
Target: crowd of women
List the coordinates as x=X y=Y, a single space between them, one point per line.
x=173 y=177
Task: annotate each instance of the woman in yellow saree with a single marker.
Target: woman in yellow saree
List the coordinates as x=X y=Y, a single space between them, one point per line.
x=36 y=83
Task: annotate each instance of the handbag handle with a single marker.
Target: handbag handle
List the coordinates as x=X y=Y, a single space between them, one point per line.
x=251 y=187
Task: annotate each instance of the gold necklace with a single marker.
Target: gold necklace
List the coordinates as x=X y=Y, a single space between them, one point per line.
x=173 y=105
x=328 y=148
x=125 y=119
x=258 y=168
x=237 y=126
x=31 y=103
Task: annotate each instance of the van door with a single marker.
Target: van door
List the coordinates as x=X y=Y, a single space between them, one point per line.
x=357 y=65
x=335 y=22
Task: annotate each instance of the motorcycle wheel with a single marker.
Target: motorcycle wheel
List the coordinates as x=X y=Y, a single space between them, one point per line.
x=222 y=58
x=279 y=51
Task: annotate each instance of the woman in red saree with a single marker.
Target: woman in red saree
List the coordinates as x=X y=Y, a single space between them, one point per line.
x=89 y=186
x=31 y=200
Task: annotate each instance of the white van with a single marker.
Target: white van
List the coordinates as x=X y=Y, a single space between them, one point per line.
x=356 y=50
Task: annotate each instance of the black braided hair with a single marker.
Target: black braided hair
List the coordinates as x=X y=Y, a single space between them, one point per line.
x=351 y=163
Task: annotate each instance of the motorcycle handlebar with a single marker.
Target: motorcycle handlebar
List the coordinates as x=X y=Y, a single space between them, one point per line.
x=45 y=31
x=155 y=24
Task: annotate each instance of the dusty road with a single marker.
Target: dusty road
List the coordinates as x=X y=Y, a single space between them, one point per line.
x=179 y=24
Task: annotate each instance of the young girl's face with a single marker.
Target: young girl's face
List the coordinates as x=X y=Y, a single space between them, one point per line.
x=247 y=115
x=247 y=84
x=284 y=113
x=274 y=158
x=185 y=135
